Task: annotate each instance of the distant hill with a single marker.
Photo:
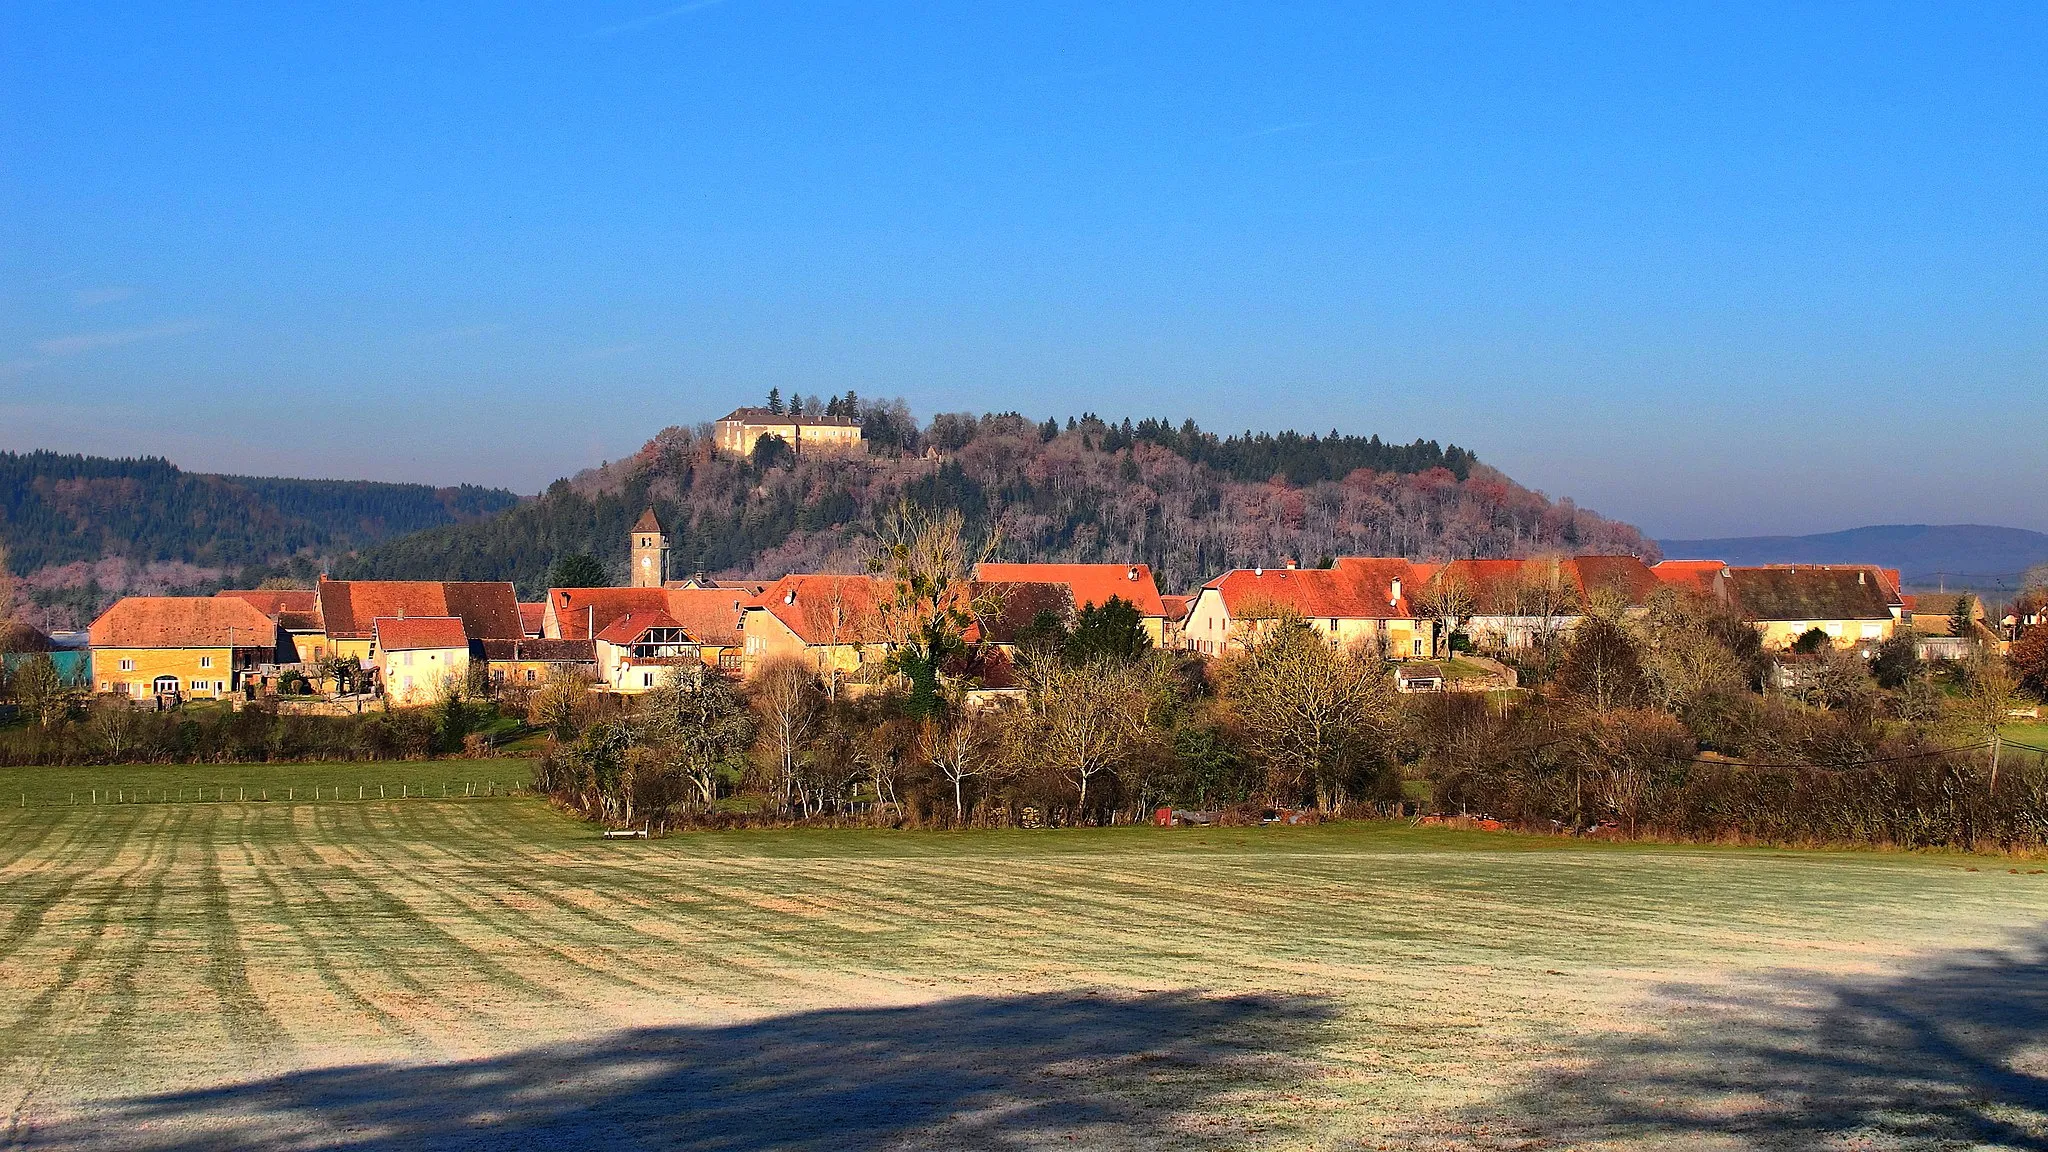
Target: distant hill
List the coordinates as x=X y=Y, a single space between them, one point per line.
x=1961 y=555
x=82 y=529
x=1188 y=502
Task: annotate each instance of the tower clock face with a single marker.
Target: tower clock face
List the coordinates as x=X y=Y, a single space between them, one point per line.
x=647 y=561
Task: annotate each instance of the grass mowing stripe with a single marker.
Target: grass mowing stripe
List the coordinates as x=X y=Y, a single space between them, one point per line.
x=248 y=1023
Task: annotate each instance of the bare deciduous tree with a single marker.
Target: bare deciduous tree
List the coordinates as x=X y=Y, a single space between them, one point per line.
x=1316 y=716
x=791 y=707
x=929 y=605
x=1089 y=720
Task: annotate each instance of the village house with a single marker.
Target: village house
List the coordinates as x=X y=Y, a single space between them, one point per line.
x=1358 y=601
x=1932 y=616
x=1514 y=604
x=350 y=609
x=830 y=623
x=743 y=428
x=420 y=659
x=195 y=647
x=297 y=613
x=1855 y=605
x=1092 y=585
x=711 y=617
x=531 y=662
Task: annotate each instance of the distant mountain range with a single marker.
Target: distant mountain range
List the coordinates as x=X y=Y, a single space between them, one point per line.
x=1979 y=556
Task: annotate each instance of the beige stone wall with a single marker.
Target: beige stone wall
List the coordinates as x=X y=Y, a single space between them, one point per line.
x=419 y=676
x=1781 y=634
x=203 y=673
x=737 y=437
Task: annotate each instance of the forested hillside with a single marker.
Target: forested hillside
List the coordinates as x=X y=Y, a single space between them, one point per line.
x=81 y=529
x=1188 y=502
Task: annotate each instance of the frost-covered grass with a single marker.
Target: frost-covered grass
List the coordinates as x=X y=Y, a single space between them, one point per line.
x=488 y=972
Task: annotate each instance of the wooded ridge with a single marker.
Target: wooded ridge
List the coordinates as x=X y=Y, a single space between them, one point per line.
x=1188 y=502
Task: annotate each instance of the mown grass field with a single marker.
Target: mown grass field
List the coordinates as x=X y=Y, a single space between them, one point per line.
x=486 y=973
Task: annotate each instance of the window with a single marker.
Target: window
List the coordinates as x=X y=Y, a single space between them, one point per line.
x=206 y=661
x=1834 y=629
x=647 y=679
x=199 y=685
x=127 y=664
x=1872 y=631
x=1417 y=650
x=532 y=675
x=220 y=685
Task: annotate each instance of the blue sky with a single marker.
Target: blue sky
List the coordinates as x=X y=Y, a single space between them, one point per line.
x=1711 y=269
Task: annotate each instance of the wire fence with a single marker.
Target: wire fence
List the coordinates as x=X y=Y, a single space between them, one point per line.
x=356 y=792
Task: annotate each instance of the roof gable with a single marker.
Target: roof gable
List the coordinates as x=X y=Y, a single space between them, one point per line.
x=825 y=609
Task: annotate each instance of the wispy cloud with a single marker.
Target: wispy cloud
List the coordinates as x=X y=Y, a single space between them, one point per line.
x=94 y=297
x=59 y=346
x=650 y=20
x=463 y=332
x=1275 y=130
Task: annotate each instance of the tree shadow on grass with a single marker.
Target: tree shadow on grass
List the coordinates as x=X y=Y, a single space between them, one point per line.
x=1953 y=1054
x=1077 y=1069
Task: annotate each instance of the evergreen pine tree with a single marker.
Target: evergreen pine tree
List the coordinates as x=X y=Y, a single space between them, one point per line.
x=775 y=401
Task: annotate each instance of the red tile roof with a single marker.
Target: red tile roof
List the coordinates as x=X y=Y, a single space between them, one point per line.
x=1093 y=584
x=1496 y=584
x=632 y=625
x=825 y=609
x=531 y=613
x=399 y=634
x=272 y=602
x=183 y=622
x=489 y=609
x=581 y=613
x=710 y=615
x=648 y=521
x=1357 y=588
x=1176 y=606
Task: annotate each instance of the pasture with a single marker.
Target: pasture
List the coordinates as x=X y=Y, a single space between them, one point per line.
x=484 y=973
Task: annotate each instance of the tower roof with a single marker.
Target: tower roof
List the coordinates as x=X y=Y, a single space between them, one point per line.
x=648 y=521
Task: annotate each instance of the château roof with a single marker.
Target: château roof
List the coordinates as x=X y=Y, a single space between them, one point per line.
x=807 y=420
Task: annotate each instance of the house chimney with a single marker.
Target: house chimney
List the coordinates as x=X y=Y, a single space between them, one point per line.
x=1132 y=574
x=1290 y=565
x=1394 y=591
x=1859 y=578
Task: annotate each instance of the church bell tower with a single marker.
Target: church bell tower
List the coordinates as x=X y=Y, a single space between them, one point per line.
x=650 y=551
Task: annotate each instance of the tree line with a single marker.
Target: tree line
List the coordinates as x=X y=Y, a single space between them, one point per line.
x=1669 y=723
